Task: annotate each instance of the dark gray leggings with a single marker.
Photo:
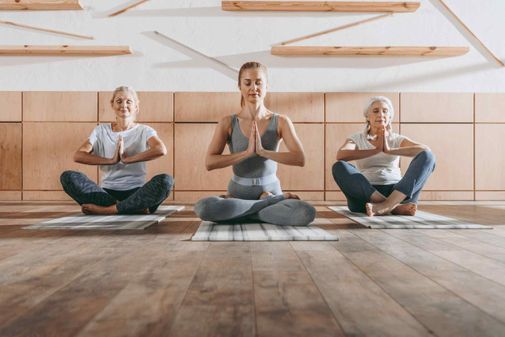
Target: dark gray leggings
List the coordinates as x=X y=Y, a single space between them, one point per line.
x=85 y=191
x=276 y=210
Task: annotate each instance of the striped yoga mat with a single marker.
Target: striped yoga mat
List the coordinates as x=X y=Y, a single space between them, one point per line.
x=108 y=222
x=422 y=220
x=210 y=231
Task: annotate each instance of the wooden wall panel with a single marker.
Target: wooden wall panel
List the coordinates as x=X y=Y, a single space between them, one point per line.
x=300 y=107
x=46 y=196
x=452 y=145
x=489 y=107
x=311 y=176
x=347 y=107
x=11 y=110
x=205 y=106
x=164 y=164
x=60 y=106
x=436 y=107
x=308 y=195
x=48 y=150
x=446 y=195
x=335 y=196
x=192 y=197
x=489 y=157
x=10 y=195
x=10 y=156
x=154 y=107
x=191 y=142
x=490 y=195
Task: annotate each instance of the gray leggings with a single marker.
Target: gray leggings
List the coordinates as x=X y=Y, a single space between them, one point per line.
x=276 y=210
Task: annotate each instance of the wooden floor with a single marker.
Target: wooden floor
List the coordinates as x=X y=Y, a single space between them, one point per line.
x=157 y=283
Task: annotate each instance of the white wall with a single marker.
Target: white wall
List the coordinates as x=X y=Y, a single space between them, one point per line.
x=236 y=37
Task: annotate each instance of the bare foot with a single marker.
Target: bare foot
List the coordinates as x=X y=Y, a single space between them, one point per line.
x=405 y=209
x=92 y=209
x=265 y=195
x=369 y=209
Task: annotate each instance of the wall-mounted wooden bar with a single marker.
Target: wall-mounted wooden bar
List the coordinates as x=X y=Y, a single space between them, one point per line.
x=37 y=5
x=321 y=6
x=367 y=51
x=66 y=50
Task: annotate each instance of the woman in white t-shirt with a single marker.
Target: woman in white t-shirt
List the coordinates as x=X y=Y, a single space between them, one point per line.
x=121 y=148
x=376 y=185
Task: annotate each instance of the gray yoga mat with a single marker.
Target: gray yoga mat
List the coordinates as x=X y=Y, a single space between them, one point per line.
x=422 y=220
x=210 y=231
x=107 y=222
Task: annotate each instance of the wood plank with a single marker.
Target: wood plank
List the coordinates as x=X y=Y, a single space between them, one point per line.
x=437 y=51
x=321 y=6
x=354 y=298
x=10 y=156
x=438 y=309
x=220 y=299
x=489 y=107
x=486 y=267
x=431 y=107
x=489 y=154
x=40 y=5
x=300 y=107
x=54 y=106
x=10 y=195
x=287 y=301
x=11 y=106
x=205 y=106
x=483 y=293
x=63 y=50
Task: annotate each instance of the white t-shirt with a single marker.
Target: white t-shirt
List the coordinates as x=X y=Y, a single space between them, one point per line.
x=381 y=168
x=121 y=176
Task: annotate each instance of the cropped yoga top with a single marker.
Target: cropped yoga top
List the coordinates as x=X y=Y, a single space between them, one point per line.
x=254 y=166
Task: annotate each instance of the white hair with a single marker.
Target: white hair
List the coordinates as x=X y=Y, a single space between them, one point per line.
x=383 y=100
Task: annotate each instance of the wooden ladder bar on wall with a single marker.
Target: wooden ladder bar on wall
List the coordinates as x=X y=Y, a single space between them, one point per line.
x=40 y=5
x=367 y=51
x=321 y=6
x=64 y=50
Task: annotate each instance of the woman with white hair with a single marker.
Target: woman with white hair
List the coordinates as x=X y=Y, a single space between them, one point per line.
x=376 y=186
x=121 y=149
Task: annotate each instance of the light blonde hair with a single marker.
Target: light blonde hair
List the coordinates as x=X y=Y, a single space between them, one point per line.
x=126 y=89
x=246 y=66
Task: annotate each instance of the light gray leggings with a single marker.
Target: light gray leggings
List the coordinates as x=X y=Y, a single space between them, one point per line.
x=275 y=210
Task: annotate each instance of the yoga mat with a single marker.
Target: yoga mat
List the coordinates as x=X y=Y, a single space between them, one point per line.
x=210 y=231
x=83 y=221
x=422 y=220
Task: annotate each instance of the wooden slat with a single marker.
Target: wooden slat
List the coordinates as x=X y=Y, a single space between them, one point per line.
x=46 y=30
x=39 y=4
x=368 y=51
x=10 y=156
x=353 y=297
x=287 y=301
x=11 y=106
x=428 y=302
x=321 y=6
x=63 y=50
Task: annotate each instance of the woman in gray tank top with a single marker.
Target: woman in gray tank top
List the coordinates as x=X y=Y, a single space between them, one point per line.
x=253 y=136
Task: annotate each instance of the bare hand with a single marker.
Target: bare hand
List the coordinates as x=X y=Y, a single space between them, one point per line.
x=259 y=146
x=251 y=148
x=289 y=195
x=385 y=147
x=122 y=153
x=378 y=142
x=117 y=151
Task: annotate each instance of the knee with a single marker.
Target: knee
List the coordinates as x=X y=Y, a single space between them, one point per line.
x=303 y=215
x=67 y=177
x=338 y=168
x=165 y=181
x=427 y=157
x=204 y=208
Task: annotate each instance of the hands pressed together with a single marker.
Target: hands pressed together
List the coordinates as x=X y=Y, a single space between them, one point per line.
x=119 y=153
x=255 y=146
x=380 y=142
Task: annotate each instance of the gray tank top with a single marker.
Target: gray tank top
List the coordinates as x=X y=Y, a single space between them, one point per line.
x=254 y=166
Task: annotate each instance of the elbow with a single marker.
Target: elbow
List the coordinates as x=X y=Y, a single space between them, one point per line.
x=339 y=156
x=77 y=157
x=163 y=150
x=209 y=166
x=301 y=160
